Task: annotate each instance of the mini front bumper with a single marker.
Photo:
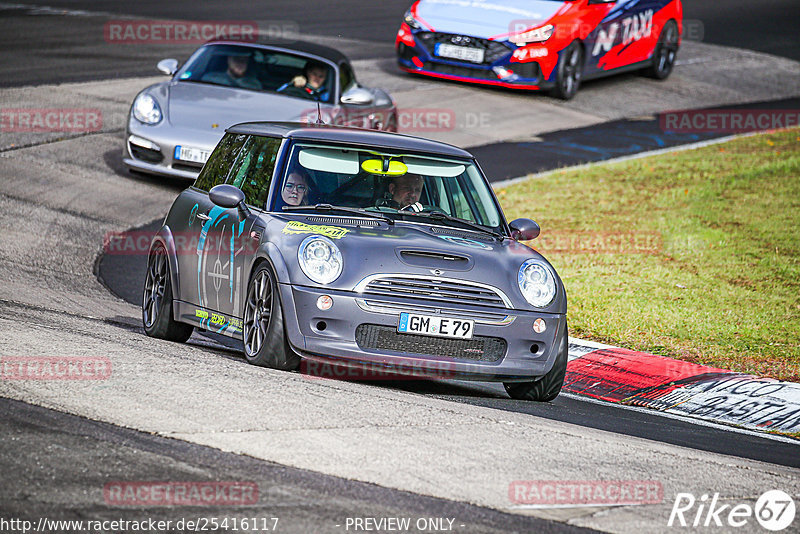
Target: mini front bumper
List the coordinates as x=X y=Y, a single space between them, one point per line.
x=344 y=334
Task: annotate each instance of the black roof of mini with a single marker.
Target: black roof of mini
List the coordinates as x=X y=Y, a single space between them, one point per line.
x=352 y=136
x=304 y=47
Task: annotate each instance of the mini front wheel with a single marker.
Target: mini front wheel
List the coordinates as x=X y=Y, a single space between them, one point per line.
x=548 y=386
x=264 y=335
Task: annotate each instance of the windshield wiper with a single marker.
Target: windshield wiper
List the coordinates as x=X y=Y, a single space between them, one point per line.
x=442 y=216
x=342 y=209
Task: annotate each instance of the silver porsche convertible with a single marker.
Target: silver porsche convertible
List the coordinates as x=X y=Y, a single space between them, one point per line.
x=174 y=125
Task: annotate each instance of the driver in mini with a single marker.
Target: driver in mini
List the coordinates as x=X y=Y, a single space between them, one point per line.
x=405 y=191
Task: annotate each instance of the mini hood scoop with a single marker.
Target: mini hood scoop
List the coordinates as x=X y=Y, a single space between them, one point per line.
x=434 y=259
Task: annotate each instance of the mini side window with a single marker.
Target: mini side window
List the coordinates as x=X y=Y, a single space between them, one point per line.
x=253 y=170
x=217 y=167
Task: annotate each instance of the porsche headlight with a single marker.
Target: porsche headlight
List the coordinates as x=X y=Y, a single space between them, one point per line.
x=536 y=35
x=537 y=282
x=320 y=259
x=146 y=109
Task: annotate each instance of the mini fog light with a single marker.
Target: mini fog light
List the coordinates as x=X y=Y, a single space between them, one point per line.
x=539 y=326
x=324 y=302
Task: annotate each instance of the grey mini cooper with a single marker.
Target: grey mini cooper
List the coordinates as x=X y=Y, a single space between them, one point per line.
x=362 y=250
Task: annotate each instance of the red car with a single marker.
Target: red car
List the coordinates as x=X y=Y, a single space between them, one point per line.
x=539 y=44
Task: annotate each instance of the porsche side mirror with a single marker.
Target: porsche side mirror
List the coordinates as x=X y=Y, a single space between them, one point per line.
x=358 y=96
x=523 y=229
x=229 y=197
x=167 y=67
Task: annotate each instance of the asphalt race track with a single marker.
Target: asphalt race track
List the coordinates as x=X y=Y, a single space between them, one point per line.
x=323 y=451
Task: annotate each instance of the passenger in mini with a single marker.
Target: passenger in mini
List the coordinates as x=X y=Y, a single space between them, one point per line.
x=405 y=190
x=310 y=84
x=237 y=75
x=295 y=190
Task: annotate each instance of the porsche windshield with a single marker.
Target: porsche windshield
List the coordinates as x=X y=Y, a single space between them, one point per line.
x=260 y=69
x=391 y=183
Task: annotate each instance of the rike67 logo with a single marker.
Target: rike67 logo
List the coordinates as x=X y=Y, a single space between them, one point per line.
x=774 y=510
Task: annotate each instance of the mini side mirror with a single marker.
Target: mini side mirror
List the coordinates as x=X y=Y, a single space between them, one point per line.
x=523 y=229
x=167 y=67
x=229 y=197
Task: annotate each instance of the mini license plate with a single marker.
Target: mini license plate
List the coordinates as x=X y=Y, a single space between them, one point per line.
x=429 y=325
x=466 y=53
x=187 y=153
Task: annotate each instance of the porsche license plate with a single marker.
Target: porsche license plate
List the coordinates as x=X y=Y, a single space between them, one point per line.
x=466 y=53
x=195 y=155
x=429 y=325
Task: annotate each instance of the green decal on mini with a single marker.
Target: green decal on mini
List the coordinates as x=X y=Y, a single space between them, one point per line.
x=297 y=227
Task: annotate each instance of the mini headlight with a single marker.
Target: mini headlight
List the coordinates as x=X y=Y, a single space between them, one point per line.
x=146 y=109
x=320 y=259
x=537 y=282
x=536 y=35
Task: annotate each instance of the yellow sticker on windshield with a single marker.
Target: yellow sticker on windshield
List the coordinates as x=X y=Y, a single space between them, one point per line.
x=376 y=166
x=297 y=227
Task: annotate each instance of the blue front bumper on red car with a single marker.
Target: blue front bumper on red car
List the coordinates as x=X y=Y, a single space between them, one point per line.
x=496 y=67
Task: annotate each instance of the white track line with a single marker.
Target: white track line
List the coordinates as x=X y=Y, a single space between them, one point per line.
x=693 y=420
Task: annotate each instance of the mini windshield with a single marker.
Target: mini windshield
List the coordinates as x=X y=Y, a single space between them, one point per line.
x=260 y=69
x=391 y=183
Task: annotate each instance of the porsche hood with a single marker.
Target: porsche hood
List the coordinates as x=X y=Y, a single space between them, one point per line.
x=199 y=106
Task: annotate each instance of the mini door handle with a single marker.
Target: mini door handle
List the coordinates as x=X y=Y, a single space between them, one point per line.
x=203 y=217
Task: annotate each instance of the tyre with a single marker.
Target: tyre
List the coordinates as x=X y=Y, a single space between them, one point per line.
x=569 y=72
x=665 y=52
x=263 y=332
x=547 y=387
x=157 y=300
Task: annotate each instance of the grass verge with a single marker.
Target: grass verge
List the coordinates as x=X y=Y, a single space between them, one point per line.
x=693 y=255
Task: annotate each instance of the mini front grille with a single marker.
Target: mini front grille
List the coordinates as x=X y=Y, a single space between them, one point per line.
x=342 y=221
x=439 y=290
x=492 y=50
x=386 y=338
